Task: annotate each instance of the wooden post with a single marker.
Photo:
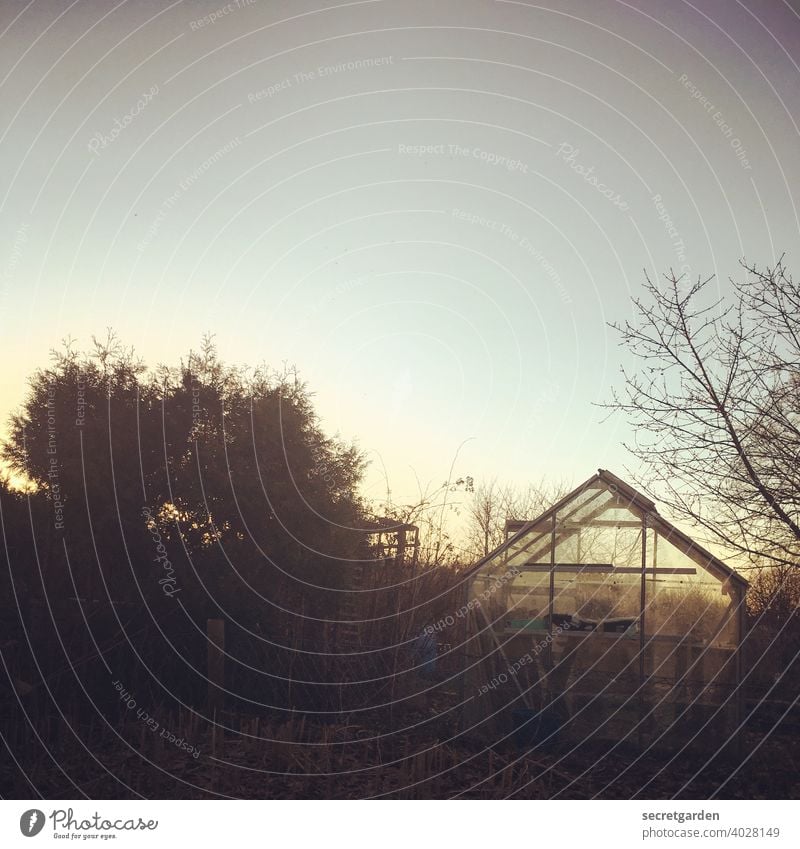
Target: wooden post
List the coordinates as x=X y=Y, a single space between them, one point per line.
x=401 y=546
x=643 y=602
x=551 y=602
x=215 y=630
x=642 y=701
x=741 y=635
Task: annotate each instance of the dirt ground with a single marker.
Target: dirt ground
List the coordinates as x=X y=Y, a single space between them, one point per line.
x=262 y=759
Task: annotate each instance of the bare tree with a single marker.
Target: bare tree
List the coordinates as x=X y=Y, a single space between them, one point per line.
x=485 y=518
x=493 y=504
x=715 y=400
x=774 y=590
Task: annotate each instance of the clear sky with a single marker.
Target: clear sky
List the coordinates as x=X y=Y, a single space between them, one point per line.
x=431 y=208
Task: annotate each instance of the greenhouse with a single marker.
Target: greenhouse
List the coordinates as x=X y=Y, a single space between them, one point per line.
x=600 y=620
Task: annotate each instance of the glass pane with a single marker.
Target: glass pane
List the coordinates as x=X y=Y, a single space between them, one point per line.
x=685 y=601
x=533 y=547
x=586 y=503
x=529 y=599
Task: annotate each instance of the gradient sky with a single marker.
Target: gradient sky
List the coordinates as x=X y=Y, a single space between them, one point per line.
x=262 y=189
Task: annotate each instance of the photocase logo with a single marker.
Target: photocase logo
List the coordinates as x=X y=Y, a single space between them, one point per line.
x=31 y=822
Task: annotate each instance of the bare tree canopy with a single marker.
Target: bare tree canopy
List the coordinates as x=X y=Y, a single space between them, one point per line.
x=715 y=399
x=493 y=504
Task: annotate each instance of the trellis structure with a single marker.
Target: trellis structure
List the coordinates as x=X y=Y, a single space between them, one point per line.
x=600 y=619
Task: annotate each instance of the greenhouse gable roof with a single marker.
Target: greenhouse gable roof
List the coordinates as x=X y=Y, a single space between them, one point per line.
x=635 y=500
